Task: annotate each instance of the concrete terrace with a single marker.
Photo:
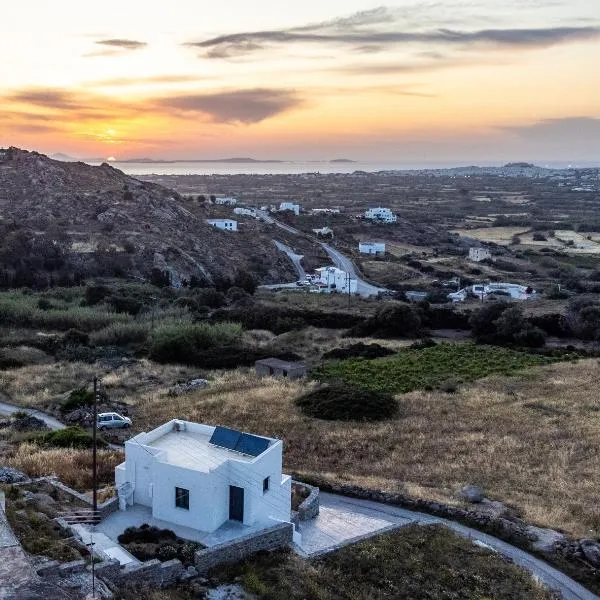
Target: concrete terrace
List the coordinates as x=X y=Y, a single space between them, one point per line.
x=136 y=515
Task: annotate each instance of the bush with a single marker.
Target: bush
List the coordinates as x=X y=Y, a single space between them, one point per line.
x=70 y=437
x=186 y=343
x=145 y=534
x=78 y=398
x=74 y=336
x=391 y=320
x=347 y=403
x=121 y=334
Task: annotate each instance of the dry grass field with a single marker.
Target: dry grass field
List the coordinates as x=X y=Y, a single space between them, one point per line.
x=498 y=235
x=531 y=441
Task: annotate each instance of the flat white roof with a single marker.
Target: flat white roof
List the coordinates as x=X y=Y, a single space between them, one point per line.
x=191 y=449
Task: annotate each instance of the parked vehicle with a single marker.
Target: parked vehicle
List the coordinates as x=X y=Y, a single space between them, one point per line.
x=112 y=421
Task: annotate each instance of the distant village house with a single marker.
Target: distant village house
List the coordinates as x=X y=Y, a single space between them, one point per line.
x=334 y=279
x=224 y=224
x=248 y=212
x=295 y=208
x=226 y=200
x=479 y=254
x=383 y=215
x=377 y=248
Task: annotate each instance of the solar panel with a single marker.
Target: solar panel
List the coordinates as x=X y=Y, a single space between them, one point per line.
x=251 y=444
x=225 y=437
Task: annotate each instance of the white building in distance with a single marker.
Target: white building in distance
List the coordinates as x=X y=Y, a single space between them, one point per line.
x=226 y=200
x=479 y=254
x=248 y=212
x=371 y=248
x=384 y=215
x=334 y=279
x=325 y=211
x=224 y=224
x=295 y=208
x=514 y=290
x=201 y=476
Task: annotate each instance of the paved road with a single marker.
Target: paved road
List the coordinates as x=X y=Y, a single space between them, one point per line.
x=339 y=260
x=54 y=424
x=9 y=409
x=345 y=264
x=295 y=258
x=345 y=520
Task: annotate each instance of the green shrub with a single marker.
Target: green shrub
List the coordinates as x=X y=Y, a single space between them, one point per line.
x=70 y=437
x=121 y=334
x=347 y=403
x=358 y=350
x=186 y=343
x=78 y=398
x=74 y=336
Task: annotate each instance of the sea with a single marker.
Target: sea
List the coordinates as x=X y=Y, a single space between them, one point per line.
x=299 y=167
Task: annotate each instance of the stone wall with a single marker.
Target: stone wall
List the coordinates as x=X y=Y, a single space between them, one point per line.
x=278 y=536
x=104 y=508
x=309 y=508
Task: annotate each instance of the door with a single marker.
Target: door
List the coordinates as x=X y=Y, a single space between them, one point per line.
x=236 y=503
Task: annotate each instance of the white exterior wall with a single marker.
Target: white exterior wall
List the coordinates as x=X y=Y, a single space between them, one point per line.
x=479 y=254
x=224 y=224
x=295 y=208
x=155 y=480
x=226 y=200
x=381 y=214
x=238 y=210
x=333 y=275
x=371 y=248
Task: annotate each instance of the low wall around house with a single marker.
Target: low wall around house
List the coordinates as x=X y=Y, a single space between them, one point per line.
x=104 y=508
x=278 y=536
x=309 y=507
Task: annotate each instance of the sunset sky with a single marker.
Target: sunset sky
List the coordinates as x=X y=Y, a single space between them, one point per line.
x=466 y=80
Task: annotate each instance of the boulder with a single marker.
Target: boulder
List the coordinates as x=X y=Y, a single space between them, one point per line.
x=591 y=551
x=10 y=475
x=471 y=493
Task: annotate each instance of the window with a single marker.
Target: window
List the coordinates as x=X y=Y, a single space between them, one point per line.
x=266 y=482
x=182 y=498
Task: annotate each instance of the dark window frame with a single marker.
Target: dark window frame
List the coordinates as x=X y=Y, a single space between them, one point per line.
x=266 y=484
x=182 y=498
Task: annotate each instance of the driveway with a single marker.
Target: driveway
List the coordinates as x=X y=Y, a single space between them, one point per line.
x=344 y=520
x=295 y=258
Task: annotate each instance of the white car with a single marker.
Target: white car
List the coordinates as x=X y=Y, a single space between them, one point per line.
x=112 y=421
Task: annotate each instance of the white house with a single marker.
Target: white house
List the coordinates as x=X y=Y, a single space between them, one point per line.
x=324 y=231
x=332 y=278
x=249 y=212
x=201 y=476
x=226 y=200
x=479 y=254
x=371 y=247
x=225 y=224
x=385 y=215
x=514 y=290
x=324 y=211
x=295 y=208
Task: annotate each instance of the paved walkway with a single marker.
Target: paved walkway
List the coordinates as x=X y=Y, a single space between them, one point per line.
x=344 y=520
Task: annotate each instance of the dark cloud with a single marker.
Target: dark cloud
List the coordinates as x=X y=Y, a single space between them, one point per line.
x=382 y=28
x=47 y=98
x=122 y=44
x=244 y=106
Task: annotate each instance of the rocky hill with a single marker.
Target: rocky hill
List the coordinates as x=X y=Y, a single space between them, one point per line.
x=62 y=222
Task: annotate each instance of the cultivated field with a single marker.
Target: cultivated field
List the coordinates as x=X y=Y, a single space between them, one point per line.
x=530 y=441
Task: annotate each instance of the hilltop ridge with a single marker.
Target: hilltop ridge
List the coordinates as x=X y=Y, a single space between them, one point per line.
x=66 y=221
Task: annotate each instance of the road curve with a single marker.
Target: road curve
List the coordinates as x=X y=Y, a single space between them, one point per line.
x=295 y=258
x=9 y=409
x=551 y=577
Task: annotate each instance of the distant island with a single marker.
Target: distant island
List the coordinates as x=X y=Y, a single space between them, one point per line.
x=342 y=160
x=198 y=160
x=519 y=165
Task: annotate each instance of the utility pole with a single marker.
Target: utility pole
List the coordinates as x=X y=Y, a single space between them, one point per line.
x=94 y=448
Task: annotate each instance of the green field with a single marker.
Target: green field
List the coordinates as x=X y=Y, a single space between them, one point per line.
x=427 y=368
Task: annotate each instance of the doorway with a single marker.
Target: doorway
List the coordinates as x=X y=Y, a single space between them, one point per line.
x=236 y=503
